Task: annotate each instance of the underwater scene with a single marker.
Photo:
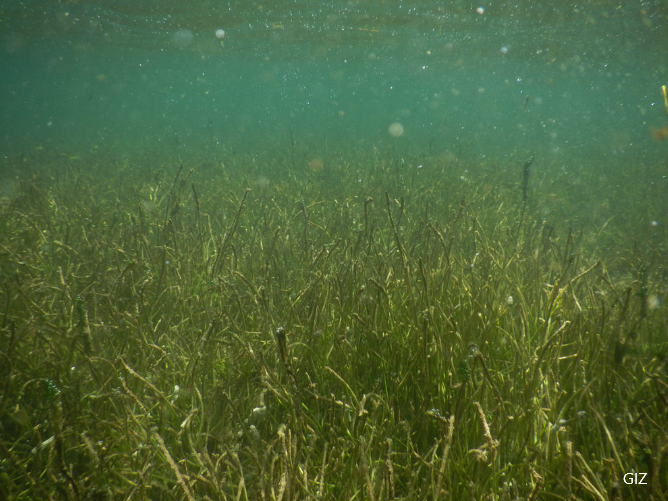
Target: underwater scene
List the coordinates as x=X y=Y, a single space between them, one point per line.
x=333 y=250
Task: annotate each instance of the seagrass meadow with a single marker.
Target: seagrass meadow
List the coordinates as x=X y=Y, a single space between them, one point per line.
x=368 y=324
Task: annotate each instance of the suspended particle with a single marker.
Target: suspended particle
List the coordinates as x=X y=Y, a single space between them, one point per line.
x=396 y=129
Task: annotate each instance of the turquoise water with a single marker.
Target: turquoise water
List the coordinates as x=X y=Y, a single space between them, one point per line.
x=340 y=249
x=573 y=80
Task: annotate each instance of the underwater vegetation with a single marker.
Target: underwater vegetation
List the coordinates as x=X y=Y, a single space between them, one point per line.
x=244 y=327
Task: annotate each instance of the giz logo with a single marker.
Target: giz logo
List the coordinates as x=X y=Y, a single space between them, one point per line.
x=635 y=478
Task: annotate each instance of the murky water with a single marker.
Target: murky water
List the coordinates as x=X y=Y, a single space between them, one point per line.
x=570 y=80
x=340 y=249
